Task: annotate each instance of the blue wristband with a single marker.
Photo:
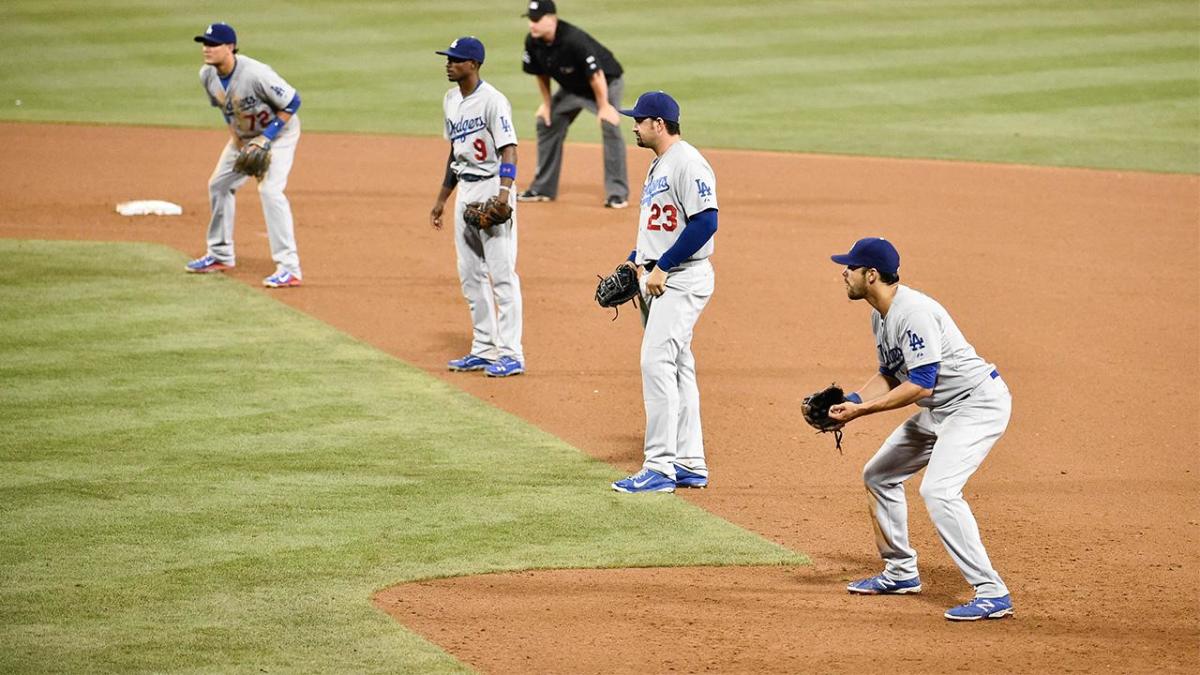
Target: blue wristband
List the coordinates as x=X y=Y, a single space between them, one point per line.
x=508 y=170
x=853 y=397
x=273 y=128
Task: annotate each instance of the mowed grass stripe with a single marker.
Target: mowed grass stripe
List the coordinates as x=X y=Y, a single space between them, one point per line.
x=777 y=75
x=196 y=477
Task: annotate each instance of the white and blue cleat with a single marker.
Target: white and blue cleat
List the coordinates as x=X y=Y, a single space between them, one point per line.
x=981 y=608
x=686 y=478
x=646 y=480
x=468 y=363
x=882 y=585
x=506 y=366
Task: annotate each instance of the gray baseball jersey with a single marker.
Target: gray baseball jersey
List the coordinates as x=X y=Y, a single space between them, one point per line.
x=255 y=93
x=918 y=331
x=477 y=126
x=678 y=185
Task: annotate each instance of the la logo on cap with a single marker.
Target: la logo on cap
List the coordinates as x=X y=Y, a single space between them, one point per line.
x=533 y=5
x=209 y=31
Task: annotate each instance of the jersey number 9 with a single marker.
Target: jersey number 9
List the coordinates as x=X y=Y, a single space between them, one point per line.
x=480 y=149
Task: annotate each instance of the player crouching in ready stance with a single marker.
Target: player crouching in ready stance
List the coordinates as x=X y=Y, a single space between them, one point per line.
x=965 y=408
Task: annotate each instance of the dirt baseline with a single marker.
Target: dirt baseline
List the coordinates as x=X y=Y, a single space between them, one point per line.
x=1088 y=505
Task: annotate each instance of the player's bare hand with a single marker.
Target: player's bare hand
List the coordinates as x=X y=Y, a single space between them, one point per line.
x=656 y=283
x=543 y=113
x=608 y=114
x=844 y=412
x=435 y=216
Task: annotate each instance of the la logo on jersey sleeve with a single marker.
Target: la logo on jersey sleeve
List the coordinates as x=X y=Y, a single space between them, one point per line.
x=915 y=344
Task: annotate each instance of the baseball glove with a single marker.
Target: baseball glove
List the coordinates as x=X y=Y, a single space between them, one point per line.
x=617 y=288
x=486 y=214
x=254 y=158
x=816 y=411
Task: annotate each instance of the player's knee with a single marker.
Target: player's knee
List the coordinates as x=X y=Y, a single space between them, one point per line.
x=937 y=494
x=654 y=360
x=874 y=479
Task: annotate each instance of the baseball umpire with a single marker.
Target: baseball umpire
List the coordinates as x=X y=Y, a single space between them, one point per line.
x=965 y=408
x=588 y=76
x=260 y=109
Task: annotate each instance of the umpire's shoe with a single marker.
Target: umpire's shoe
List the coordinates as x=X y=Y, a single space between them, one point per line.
x=468 y=363
x=882 y=585
x=646 y=480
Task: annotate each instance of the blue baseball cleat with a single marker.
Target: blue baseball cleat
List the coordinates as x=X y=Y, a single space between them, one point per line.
x=282 y=279
x=468 y=363
x=882 y=585
x=207 y=264
x=685 y=478
x=982 y=608
x=507 y=366
x=646 y=480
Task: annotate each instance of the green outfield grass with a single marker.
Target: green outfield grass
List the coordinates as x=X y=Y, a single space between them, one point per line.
x=1097 y=83
x=196 y=477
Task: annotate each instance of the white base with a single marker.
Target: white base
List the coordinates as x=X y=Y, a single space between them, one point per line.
x=149 y=207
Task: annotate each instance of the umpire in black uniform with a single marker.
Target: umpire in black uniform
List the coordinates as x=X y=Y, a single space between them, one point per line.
x=588 y=76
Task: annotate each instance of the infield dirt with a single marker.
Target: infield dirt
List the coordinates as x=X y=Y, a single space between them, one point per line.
x=1078 y=284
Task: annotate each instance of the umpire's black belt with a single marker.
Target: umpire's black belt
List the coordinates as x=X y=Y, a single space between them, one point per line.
x=472 y=178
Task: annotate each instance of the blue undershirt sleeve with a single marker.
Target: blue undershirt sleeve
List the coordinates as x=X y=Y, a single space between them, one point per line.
x=699 y=229
x=294 y=105
x=924 y=376
x=276 y=124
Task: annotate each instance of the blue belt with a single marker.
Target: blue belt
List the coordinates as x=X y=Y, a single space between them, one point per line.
x=472 y=178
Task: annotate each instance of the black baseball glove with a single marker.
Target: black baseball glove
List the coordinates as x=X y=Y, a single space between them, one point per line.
x=486 y=214
x=254 y=158
x=617 y=288
x=816 y=411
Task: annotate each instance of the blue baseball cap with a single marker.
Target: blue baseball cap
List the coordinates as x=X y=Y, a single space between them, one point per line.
x=468 y=48
x=875 y=252
x=655 y=104
x=218 y=34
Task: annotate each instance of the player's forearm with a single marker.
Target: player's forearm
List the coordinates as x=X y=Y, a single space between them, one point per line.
x=906 y=393
x=508 y=165
x=878 y=385
x=444 y=194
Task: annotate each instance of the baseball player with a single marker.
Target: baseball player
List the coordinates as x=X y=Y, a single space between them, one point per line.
x=483 y=165
x=260 y=108
x=965 y=407
x=674 y=241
